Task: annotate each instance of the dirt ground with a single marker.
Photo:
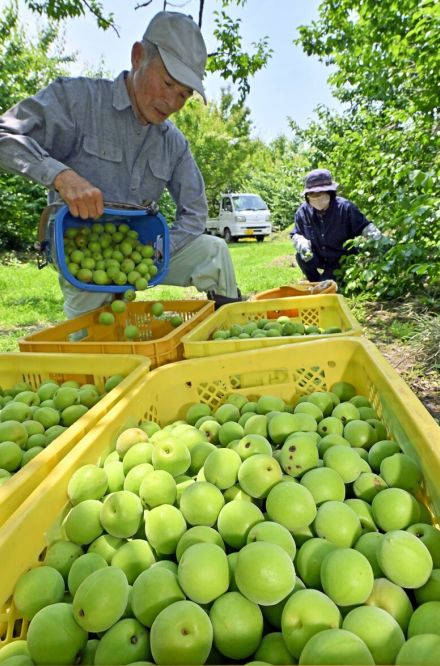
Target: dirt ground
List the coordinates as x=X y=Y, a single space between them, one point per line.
x=403 y=356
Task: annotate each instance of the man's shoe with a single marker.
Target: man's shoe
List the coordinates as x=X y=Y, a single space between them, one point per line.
x=220 y=300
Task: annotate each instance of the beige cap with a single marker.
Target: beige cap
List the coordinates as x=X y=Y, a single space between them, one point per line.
x=181 y=47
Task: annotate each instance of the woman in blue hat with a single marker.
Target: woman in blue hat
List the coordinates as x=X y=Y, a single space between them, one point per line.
x=323 y=224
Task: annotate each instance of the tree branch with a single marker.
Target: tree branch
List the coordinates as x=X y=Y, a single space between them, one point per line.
x=143 y=4
x=101 y=19
x=201 y=7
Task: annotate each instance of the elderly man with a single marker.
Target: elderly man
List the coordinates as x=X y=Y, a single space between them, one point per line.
x=92 y=140
x=323 y=224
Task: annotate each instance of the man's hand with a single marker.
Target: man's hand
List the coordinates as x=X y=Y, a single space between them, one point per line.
x=84 y=199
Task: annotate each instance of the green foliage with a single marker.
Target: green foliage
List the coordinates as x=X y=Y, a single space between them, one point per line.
x=401 y=330
x=386 y=52
x=230 y=60
x=21 y=203
x=230 y=160
x=63 y=9
x=27 y=66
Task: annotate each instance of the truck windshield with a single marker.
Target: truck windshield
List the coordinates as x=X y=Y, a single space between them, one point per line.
x=248 y=202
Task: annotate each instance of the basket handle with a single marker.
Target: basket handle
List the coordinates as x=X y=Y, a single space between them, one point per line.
x=150 y=207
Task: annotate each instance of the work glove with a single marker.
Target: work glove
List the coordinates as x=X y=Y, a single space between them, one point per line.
x=381 y=242
x=371 y=232
x=303 y=246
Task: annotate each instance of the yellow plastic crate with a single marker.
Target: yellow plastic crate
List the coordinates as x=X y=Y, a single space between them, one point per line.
x=289 y=371
x=33 y=369
x=322 y=310
x=157 y=338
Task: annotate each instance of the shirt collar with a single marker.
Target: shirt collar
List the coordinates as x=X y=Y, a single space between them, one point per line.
x=121 y=99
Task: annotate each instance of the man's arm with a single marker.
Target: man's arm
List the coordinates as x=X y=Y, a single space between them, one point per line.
x=188 y=191
x=28 y=132
x=32 y=132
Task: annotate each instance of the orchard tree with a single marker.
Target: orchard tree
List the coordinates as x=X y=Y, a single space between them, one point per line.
x=230 y=160
x=384 y=53
x=59 y=10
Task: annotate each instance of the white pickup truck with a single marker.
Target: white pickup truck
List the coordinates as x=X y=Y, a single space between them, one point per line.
x=241 y=215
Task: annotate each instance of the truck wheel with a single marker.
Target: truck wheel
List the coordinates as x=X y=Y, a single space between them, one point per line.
x=227 y=235
x=260 y=239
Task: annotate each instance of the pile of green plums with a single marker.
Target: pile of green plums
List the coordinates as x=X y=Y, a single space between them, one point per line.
x=271 y=328
x=256 y=530
x=31 y=418
x=109 y=254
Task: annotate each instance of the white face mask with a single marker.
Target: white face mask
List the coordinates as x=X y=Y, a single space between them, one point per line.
x=321 y=202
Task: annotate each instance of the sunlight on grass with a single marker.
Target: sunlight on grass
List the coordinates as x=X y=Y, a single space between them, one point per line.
x=262 y=266
x=29 y=296
x=31 y=300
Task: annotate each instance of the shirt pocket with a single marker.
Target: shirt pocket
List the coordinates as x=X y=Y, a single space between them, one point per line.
x=160 y=166
x=102 y=148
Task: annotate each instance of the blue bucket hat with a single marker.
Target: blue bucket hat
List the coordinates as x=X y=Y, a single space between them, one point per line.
x=319 y=180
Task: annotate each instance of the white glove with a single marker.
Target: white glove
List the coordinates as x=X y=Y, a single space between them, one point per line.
x=371 y=232
x=383 y=243
x=303 y=246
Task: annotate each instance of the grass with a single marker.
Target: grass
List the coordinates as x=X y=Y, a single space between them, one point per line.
x=427 y=339
x=31 y=298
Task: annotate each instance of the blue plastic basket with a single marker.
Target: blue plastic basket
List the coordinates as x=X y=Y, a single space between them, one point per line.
x=152 y=229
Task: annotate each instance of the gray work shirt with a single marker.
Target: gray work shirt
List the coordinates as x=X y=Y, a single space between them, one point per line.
x=88 y=125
